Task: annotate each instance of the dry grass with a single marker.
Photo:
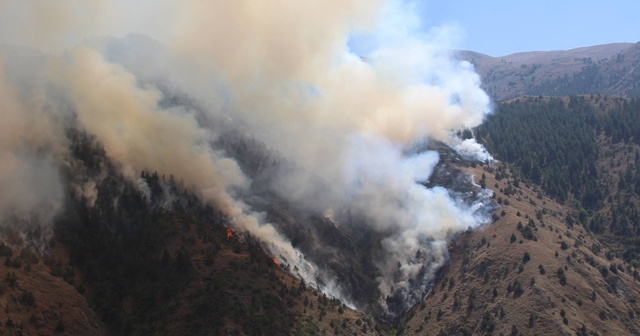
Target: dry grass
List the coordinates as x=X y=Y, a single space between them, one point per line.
x=477 y=267
x=39 y=303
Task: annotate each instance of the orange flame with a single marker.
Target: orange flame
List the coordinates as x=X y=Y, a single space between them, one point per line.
x=229 y=233
x=275 y=261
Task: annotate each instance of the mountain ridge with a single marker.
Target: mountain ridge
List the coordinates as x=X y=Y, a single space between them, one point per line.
x=606 y=69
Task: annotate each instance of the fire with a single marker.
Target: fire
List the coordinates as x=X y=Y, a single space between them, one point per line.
x=275 y=261
x=229 y=233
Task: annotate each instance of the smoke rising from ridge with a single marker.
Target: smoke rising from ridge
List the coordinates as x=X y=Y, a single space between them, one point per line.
x=285 y=75
x=141 y=136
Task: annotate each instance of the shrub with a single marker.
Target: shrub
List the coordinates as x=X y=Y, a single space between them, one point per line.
x=532 y=320
x=518 y=289
x=604 y=271
x=561 y=276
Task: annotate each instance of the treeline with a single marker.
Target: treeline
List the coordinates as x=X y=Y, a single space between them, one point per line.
x=554 y=142
x=622 y=123
x=551 y=143
x=579 y=148
x=588 y=80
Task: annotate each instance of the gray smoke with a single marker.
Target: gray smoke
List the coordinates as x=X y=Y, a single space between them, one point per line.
x=30 y=188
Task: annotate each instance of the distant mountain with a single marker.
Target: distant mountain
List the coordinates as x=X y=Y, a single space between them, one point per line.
x=611 y=69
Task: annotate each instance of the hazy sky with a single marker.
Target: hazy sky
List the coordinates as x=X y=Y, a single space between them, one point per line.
x=502 y=27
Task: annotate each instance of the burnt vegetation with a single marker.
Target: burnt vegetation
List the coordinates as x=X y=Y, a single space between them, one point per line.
x=149 y=260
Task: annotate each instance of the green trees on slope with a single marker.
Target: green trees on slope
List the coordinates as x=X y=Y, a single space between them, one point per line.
x=552 y=143
x=575 y=151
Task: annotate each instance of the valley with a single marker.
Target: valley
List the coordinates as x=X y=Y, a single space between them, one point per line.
x=286 y=182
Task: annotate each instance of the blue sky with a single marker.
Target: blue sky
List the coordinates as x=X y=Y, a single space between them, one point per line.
x=501 y=27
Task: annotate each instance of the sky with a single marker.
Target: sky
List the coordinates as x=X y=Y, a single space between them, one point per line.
x=502 y=27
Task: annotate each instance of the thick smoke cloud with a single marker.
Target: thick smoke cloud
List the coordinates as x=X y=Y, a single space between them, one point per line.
x=138 y=134
x=285 y=75
x=30 y=188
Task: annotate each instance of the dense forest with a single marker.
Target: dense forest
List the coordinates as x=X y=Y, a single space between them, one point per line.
x=534 y=136
x=582 y=149
x=140 y=253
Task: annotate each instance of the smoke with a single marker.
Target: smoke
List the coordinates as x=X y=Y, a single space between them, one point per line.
x=285 y=75
x=29 y=181
x=139 y=135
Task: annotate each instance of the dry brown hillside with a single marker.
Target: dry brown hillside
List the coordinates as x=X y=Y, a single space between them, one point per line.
x=605 y=69
x=35 y=299
x=529 y=273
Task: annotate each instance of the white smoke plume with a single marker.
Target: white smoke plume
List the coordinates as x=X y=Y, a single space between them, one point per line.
x=285 y=75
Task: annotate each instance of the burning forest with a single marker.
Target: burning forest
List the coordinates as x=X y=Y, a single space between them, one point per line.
x=336 y=158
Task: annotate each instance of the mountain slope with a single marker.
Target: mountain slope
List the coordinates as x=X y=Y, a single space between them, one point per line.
x=592 y=166
x=565 y=264
x=529 y=272
x=37 y=300
x=148 y=268
x=604 y=69
x=121 y=262
x=224 y=252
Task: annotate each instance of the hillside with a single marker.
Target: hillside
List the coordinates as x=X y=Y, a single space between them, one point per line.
x=122 y=262
x=135 y=266
x=129 y=261
x=231 y=287
x=36 y=300
x=283 y=186
x=588 y=158
x=529 y=272
x=610 y=69
x=560 y=264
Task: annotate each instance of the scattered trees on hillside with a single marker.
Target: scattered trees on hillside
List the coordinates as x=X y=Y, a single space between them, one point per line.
x=554 y=142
